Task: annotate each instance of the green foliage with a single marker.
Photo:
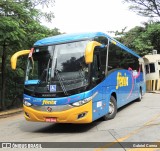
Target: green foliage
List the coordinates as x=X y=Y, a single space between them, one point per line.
x=143 y=39
x=10 y=31
x=152 y=35
x=19 y=28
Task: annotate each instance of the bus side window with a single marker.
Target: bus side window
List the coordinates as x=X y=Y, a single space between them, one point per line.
x=120 y=59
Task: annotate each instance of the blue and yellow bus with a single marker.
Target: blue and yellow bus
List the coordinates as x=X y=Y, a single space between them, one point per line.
x=78 y=78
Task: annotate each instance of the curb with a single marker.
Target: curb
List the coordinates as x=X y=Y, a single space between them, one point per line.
x=11 y=112
x=155 y=92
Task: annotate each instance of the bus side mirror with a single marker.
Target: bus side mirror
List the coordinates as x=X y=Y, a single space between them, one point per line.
x=89 y=51
x=16 y=55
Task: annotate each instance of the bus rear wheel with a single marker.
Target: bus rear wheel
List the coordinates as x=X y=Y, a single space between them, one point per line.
x=112 y=109
x=140 y=95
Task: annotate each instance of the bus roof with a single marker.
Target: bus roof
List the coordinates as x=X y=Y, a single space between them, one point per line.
x=68 y=38
x=63 y=38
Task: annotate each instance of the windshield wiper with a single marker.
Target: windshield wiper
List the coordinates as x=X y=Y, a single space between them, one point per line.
x=48 y=76
x=60 y=79
x=61 y=83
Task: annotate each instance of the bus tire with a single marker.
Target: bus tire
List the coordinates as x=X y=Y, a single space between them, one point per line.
x=112 y=109
x=140 y=95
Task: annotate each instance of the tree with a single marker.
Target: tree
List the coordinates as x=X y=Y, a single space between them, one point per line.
x=147 y=8
x=20 y=28
x=143 y=39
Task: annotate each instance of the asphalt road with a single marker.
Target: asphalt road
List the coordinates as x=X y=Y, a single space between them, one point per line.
x=136 y=122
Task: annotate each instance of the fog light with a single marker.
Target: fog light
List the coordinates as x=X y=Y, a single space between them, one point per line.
x=27 y=114
x=81 y=115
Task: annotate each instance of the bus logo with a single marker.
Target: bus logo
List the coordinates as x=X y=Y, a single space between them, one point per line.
x=49 y=109
x=122 y=81
x=47 y=102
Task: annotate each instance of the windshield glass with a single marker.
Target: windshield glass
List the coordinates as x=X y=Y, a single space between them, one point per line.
x=39 y=62
x=61 y=67
x=69 y=59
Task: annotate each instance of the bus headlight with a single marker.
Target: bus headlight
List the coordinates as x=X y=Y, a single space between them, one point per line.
x=26 y=103
x=81 y=102
x=86 y=100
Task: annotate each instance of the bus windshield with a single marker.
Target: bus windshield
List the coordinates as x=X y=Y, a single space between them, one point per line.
x=61 y=66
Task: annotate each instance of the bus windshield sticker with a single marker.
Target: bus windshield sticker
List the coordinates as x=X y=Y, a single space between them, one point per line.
x=52 y=88
x=99 y=104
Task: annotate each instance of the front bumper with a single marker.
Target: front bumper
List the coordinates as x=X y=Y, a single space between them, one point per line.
x=68 y=116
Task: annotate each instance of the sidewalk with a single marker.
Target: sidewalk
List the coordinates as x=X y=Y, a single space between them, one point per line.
x=4 y=114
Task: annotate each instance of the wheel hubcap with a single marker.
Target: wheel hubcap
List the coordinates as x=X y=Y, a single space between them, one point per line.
x=111 y=107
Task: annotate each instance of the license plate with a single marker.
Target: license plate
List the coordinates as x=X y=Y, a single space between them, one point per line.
x=51 y=119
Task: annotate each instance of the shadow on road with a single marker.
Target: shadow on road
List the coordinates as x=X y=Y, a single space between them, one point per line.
x=68 y=128
x=127 y=105
x=57 y=128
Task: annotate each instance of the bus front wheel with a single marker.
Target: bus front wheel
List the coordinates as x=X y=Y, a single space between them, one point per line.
x=112 y=109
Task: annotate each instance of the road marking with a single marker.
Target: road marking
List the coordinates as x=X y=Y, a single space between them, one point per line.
x=131 y=134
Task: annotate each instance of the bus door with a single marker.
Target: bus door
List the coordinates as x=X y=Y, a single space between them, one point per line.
x=99 y=103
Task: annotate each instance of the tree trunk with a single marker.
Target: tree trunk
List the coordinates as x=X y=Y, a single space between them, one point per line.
x=2 y=103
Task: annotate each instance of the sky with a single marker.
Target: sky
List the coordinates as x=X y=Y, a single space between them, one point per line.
x=73 y=16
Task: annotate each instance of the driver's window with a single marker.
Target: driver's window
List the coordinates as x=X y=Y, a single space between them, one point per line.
x=95 y=69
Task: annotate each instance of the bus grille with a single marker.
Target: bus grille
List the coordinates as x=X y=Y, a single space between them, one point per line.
x=52 y=108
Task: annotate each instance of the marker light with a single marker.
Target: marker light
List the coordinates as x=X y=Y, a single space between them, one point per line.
x=26 y=103
x=82 y=102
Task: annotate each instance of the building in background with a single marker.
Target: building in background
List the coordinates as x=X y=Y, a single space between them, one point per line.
x=152 y=69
